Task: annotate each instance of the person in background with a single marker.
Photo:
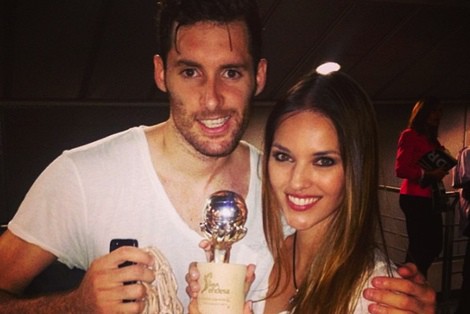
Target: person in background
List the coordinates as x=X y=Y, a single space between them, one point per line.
x=423 y=222
x=461 y=181
x=150 y=183
x=320 y=177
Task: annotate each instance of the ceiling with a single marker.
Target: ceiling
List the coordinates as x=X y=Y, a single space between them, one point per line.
x=101 y=51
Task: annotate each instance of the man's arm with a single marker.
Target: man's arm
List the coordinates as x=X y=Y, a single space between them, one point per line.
x=410 y=294
x=20 y=263
x=101 y=290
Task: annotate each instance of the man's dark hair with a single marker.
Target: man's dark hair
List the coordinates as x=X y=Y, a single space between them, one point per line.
x=189 y=12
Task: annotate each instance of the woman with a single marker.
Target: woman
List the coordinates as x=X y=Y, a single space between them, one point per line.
x=321 y=176
x=320 y=179
x=423 y=223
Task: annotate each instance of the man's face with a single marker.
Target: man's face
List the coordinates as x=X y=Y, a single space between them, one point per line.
x=210 y=78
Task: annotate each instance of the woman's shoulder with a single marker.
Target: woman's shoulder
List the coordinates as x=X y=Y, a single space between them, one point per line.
x=409 y=132
x=384 y=266
x=411 y=135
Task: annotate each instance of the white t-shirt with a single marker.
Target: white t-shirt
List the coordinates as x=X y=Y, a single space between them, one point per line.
x=108 y=189
x=381 y=269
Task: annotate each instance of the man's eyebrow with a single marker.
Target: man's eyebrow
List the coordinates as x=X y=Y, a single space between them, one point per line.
x=236 y=65
x=194 y=64
x=186 y=62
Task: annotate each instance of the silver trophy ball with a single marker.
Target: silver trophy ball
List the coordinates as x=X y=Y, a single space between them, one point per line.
x=223 y=223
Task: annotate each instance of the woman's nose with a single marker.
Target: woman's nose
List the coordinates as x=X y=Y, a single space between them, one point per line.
x=301 y=177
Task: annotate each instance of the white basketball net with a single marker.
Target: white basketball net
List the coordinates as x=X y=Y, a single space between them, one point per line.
x=161 y=293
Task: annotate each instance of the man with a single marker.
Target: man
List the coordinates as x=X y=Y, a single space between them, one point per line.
x=461 y=181
x=150 y=183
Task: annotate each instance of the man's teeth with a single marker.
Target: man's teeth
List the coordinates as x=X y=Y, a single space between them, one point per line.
x=214 y=123
x=301 y=201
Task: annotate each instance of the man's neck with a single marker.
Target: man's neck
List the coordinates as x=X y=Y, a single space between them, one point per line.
x=168 y=146
x=189 y=178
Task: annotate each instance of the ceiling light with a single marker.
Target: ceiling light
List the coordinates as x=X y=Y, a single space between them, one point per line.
x=328 y=67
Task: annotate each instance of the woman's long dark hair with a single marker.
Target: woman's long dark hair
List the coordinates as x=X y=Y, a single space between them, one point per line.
x=345 y=260
x=419 y=117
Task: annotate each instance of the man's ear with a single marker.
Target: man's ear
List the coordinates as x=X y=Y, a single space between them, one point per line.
x=159 y=73
x=261 y=75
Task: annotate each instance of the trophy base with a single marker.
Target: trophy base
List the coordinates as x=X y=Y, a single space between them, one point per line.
x=222 y=288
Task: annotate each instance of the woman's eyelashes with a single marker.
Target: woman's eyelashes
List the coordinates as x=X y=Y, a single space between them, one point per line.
x=320 y=160
x=280 y=156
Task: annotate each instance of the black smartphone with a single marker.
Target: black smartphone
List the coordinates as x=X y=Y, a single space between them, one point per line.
x=117 y=243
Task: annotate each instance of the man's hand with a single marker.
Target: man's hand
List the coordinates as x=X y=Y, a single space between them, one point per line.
x=103 y=288
x=410 y=294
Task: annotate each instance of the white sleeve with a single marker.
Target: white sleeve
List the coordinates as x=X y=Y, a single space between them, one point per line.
x=381 y=269
x=52 y=215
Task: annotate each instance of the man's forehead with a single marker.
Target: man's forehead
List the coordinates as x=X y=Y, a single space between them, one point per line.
x=229 y=32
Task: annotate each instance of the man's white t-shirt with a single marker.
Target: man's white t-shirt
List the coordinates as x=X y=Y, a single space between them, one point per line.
x=109 y=189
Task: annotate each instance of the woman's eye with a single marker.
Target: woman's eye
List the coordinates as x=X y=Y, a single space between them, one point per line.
x=325 y=161
x=279 y=156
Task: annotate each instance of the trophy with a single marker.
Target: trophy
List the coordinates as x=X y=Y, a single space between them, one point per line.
x=222 y=283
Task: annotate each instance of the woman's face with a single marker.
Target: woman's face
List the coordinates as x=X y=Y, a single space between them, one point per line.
x=306 y=170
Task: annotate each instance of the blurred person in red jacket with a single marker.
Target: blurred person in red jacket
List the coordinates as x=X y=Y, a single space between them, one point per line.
x=423 y=219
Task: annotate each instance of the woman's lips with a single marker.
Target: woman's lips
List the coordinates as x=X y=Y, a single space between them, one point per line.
x=301 y=203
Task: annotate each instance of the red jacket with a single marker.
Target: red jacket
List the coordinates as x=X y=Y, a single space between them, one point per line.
x=411 y=147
